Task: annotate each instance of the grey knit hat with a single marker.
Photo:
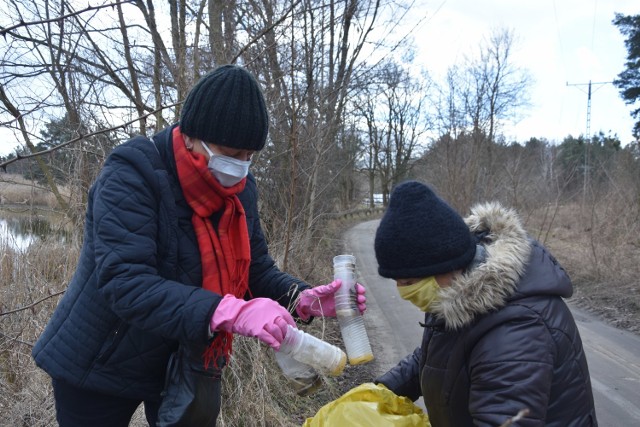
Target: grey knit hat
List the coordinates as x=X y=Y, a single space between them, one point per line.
x=226 y=107
x=420 y=235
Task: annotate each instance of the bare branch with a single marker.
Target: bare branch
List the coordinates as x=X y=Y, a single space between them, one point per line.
x=520 y=415
x=4 y=165
x=4 y=31
x=264 y=31
x=15 y=339
x=33 y=304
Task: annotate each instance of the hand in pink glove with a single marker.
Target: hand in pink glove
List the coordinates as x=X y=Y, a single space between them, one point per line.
x=262 y=318
x=320 y=301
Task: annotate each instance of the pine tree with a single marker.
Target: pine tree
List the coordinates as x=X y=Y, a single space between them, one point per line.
x=628 y=81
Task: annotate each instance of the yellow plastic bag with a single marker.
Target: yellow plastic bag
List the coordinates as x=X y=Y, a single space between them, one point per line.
x=369 y=405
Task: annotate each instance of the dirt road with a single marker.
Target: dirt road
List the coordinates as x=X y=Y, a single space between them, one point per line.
x=392 y=324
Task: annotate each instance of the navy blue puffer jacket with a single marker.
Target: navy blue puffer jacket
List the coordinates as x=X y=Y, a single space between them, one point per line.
x=137 y=289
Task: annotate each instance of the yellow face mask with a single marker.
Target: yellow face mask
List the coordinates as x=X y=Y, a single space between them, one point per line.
x=422 y=294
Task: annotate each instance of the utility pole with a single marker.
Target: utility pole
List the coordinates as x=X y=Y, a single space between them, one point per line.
x=587 y=136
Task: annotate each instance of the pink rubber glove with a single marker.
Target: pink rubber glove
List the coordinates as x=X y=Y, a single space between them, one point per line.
x=320 y=301
x=261 y=318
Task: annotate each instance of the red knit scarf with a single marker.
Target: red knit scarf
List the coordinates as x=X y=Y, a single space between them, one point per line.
x=225 y=255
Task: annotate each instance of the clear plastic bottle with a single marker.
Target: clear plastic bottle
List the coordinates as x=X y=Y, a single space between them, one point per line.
x=350 y=320
x=303 y=378
x=314 y=352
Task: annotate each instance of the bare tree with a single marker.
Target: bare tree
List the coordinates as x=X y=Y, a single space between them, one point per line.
x=307 y=65
x=395 y=124
x=477 y=99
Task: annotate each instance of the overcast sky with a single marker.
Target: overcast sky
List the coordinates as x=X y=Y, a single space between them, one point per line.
x=560 y=42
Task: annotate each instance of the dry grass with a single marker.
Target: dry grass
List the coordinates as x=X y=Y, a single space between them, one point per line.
x=17 y=191
x=600 y=248
x=30 y=284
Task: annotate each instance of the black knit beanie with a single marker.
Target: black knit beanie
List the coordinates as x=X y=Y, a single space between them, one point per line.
x=226 y=107
x=420 y=235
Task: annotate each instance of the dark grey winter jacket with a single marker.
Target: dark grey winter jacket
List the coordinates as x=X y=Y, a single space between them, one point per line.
x=137 y=289
x=502 y=339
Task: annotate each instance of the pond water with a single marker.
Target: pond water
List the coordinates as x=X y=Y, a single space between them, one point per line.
x=21 y=231
x=10 y=237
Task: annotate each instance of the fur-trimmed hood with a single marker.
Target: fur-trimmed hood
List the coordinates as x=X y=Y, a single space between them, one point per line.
x=515 y=267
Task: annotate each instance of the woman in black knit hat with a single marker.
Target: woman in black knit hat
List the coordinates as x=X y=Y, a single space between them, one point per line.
x=498 y=337
x=173 y=264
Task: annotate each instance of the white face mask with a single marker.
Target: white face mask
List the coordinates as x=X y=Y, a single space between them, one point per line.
x=227 y=170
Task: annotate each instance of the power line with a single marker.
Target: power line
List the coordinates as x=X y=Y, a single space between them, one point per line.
x=593 y=29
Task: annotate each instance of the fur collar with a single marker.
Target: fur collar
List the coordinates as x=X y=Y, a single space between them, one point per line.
x=489 y=286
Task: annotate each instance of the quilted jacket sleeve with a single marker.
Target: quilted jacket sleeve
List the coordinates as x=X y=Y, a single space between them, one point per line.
x=404 y=378
x=127 y=210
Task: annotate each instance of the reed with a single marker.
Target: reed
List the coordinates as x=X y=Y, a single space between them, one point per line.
x=17 y=191
x=31 y=282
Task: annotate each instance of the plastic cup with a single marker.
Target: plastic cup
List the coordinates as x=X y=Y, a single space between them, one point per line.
x=354 y=334
x=345 y=305
x=312 y=351
x=355 y=339
x=344 y=259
